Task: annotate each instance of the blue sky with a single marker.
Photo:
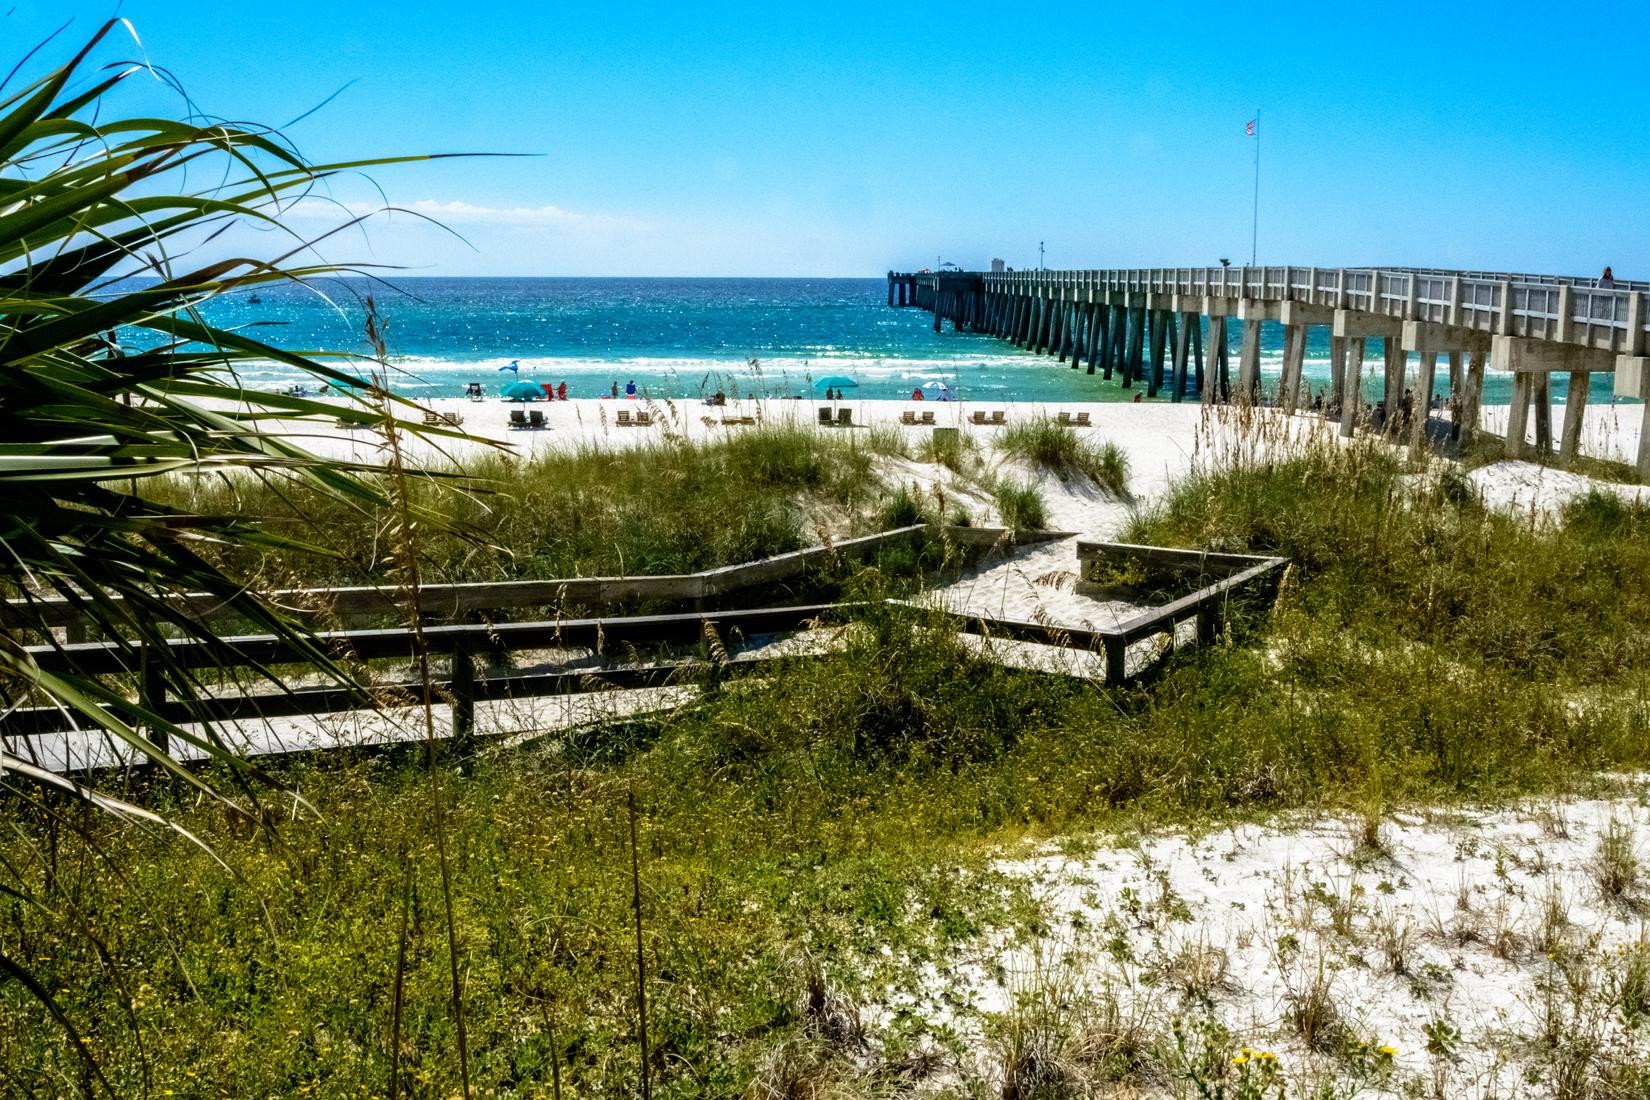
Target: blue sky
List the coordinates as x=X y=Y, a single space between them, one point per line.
x=780 y=139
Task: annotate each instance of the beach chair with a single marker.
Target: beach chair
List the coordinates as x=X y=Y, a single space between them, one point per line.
x=518 y=419
x=1082 y=420
x=624 y=418
x=997 y=417
x=845 y=418
x=644 y=418
x=909 y=416
x=927 y=417
x=454 y=420
x=535 y=420
x=824 y=415
x=1064 y=418
x=977 y=416
x=432 y=419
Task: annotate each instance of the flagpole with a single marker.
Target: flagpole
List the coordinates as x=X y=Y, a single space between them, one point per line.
x=1254 y=230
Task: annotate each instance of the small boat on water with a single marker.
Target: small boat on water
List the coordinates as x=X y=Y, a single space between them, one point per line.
x=255 y=300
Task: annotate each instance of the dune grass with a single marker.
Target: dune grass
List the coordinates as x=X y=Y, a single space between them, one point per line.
x=794 y=828
x=666 y=506
x=1021 y=506
x=1068 y=454
x=1389 y=554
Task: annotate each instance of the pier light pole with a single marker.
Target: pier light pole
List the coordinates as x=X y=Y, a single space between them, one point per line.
x=1254 y=228
x=1040 y=265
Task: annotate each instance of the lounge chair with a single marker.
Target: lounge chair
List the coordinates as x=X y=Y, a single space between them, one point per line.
x=624 y=418
x=824 y=415
x=997 y=417
x=977 y=416
x=1064 y=418
x=535 y=419
x=644 y=418
x=845 y=418
x=518 y=419
x=1082 y=420
x=909 y=416
x=432 y=419
x=927 y=416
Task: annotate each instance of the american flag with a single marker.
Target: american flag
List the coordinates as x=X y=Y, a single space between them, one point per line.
x=1249 y=129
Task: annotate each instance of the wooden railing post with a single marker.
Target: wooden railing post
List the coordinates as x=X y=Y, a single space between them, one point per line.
x=152 y=694
x=463 y=688
x=1208 y=623
x=1116 y=664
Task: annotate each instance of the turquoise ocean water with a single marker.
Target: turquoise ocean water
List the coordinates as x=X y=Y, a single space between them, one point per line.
x=686 y=337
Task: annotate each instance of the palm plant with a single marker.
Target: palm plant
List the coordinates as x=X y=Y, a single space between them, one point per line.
x=110 y=374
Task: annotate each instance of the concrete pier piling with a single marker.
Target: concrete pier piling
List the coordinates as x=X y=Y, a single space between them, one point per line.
x=1146 y=326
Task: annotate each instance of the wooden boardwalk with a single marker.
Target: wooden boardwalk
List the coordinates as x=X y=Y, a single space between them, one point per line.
x=1145 y=327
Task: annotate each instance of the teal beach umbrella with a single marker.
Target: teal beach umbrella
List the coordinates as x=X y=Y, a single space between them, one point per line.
x=835 y=382
x=523 y=391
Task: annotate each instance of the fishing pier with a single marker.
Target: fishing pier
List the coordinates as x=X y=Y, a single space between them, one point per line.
x=1167 y=329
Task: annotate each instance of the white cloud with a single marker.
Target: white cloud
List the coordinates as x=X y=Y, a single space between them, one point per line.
x=457 y=212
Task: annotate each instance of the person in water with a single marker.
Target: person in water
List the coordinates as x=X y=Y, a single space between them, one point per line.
x=561 y=390
x=630 y=389
x=916 y=394
x=615 y=389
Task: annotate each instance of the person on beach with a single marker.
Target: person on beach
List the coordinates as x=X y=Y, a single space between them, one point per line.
x=561 y=390
x=615 y=389
x=916 y=394
x=1139 y=397
x=1406 y=411
x=630 y=389
x=1317 y=401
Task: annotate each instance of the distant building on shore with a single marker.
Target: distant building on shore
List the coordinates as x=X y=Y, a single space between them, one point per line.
x=996 y=267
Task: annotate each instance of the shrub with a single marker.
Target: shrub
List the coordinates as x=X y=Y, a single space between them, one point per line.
x=1060 y=449
x=1021 y=506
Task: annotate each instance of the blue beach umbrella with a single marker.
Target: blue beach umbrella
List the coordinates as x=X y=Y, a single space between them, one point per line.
x=835 y=382
x=523 y=391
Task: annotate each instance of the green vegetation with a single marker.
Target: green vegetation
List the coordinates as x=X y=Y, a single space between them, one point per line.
x=110 y=377
x=1021 y=506
x=1392 y=566
x=1061 y=449
x=666 y=506
x=793 y=828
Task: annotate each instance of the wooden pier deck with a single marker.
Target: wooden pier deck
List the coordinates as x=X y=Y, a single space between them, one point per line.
x=1145 y=327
